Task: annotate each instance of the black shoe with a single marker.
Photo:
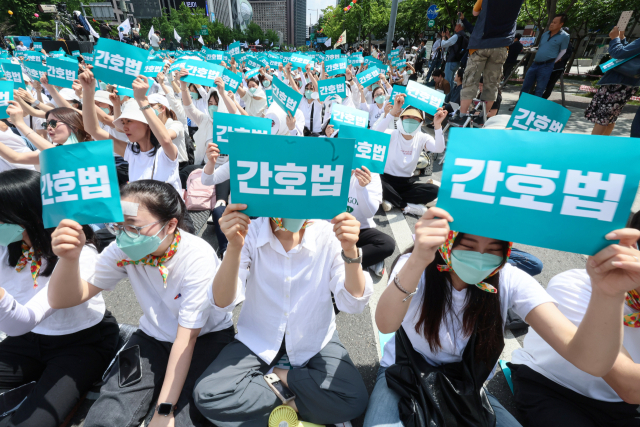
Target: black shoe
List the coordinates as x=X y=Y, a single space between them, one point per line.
x=458 y=120
x=429 y=125
x=512 y=108
x=479 y=120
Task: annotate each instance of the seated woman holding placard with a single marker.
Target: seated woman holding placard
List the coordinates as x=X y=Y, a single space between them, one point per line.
x=549 y=390
x=289 y=269
x=447 y=301
x=64 y=351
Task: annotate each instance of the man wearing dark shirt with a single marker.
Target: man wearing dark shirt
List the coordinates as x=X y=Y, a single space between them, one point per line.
x=105 y=30
x=515 y=49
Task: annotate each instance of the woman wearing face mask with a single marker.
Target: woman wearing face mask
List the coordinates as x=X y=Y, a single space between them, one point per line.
x=448 y=298
x=375 y=109
x=311 y=108
x=64 y=351
x=105 y=108
x=399 y=186
x=255 y=100
x=151 y=154
x=162 y=108
x=304 y=262
x=266 y=78
x=170 y=272
x=63 y=125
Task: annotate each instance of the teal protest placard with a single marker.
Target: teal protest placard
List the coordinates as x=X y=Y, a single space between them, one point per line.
x=124 y=91
x=117 y=63
x=355 y=60
x=253 y=62
x=495 y=182
x=35 y=70
x=225 y=124
x=202 y=73
x=214 y=56
x=37 y=45
x=13 y=72
x=251 y=73
x=152 y=68
x=371 y=61
x=336 y=66
x=348 y=116
x=330 y=55
x=301 y=61
x=231 y=80
x=234 y=49
x=31 y=56
x=56 y=54
x=368 y=76
x=276 y=177
x=75 y=53
x=372 y=147
x=79 y=182
x=332 y=87
x=424 y=98
x=88 y=57
x=6 y=95
x=269 y=94
x=177 y=65
x=397 y=90
x=399 y=62
x=537 y=114
x=240 y=58
x=287 y=98
x=613 y=63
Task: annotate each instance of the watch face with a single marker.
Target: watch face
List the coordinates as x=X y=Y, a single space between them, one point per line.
x=165 y=409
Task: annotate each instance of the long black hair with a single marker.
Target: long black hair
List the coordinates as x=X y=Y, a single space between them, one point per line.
x=135 y=147
x=482 y=310
x=160 y=199
x=22 y=205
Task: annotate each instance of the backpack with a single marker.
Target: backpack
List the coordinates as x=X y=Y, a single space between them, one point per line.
x=458 y=49
x=199 y=197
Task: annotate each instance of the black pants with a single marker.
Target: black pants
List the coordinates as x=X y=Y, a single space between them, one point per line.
x=399 y=191
x=545 y=403
x=185 y=172
x=507 y=68
x=376 y=246
x=64 y=366
x=555 y=76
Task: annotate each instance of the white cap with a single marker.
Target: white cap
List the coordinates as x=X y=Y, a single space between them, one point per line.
x=103 y=96
x=131 y=111
x=497 y=122
x=69 y=94
x=156 y=98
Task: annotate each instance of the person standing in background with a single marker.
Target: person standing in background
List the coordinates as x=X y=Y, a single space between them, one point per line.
x=515 y=49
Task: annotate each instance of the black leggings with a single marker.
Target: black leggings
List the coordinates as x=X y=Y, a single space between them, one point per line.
x=399 y=190
x=64 y=366
x=376 y=246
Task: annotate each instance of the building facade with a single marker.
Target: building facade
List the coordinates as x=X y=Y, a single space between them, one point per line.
x=272 y=15
x=296 y=22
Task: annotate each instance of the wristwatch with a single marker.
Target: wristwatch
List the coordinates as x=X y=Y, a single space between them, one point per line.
x=146 y=107
x=348 y=260
x=166 y=409
x=35 y=103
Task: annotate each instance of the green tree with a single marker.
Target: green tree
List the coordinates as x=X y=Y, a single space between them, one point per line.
x=253 y=32
x=272 y=36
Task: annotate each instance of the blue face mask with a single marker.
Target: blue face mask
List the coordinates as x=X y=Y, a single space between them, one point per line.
x=212 y=109
x=266 y=83
x=106 y=110
x=140 y=247
x=379 y=99
x=10 y=233
x=194 y=96
x=307 y=94
x=473 y=267
x=156 y=111
x=253 y=90
x=71 y=140
x=410 y=125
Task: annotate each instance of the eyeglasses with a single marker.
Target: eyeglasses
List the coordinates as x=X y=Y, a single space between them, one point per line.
x=130 y=230
x=53 y=123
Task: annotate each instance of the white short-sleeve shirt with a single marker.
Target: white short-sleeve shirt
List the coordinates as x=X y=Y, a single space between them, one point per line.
x=141 y=166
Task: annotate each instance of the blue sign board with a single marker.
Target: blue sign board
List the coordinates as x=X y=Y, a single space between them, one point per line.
x=432 y=12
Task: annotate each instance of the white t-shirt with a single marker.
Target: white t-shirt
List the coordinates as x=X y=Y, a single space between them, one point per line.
x=516 y=290
x=183 y=302
x=404 y=154
x=21 y=47
x=363 y=202
x=572 y=291
x=306 y=108
x=141 y=167
x=17 y=144
x=154 y=40
x=55 y=322
x=375 y=112
x=178 y=141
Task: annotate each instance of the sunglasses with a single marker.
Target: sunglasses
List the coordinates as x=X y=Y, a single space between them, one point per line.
x=53 y=123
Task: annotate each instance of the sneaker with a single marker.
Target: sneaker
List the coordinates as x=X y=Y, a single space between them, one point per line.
x=413 y=209
x=434 y=182
x=512 y=108
x=344 y=424
x=378 y=269
x=386 y=206
x=479 y=120
x=220 y=203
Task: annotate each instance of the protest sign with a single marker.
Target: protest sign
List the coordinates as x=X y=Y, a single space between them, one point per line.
x=287 y=98
x=537 y=114
x=124 y=91
x=399 y=62
x=495 y=182
x=240 y=58
x=202 y=73
x=32 y=56
x=117 y=63
x=276 y=177
x=348 y=116
x=6 y=95
x=13 y=72
x=226 y=124
x=231 y=80
x=56 y=54
x=35 y=70
x=613 y=63
x=301 y=61
x=75 y=53
x=372 y=147
x=88 y=58
x=251 y=73
x=269 y=94
x=371 y=61
x=253 y=62
x=152 y=68
x=234 y=49
x=355 y=60
x=37 y=46
x=424 y=98
x=397 y=90
x=331 y=87
x=336 y=66
x=79 y=182
x=330 y=55
x=214 y=56
x=177 y=65
x=61 y=72
x=368 y=76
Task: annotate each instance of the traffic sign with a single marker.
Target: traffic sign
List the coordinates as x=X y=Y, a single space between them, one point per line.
x=204 y=27
x=204 y=32
x=432 y=12
x=432 y=23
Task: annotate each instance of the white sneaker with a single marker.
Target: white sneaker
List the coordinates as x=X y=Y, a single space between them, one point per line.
x=378 y=269
x=386 y=206
x=413 y=209
x=344 y=424
x=220 y=202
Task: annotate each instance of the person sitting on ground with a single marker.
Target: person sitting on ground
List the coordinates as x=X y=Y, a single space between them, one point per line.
x=549 y=390
x=441 y=83
x=447 y=301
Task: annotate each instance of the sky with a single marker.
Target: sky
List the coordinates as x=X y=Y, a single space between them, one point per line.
x=317 y=4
